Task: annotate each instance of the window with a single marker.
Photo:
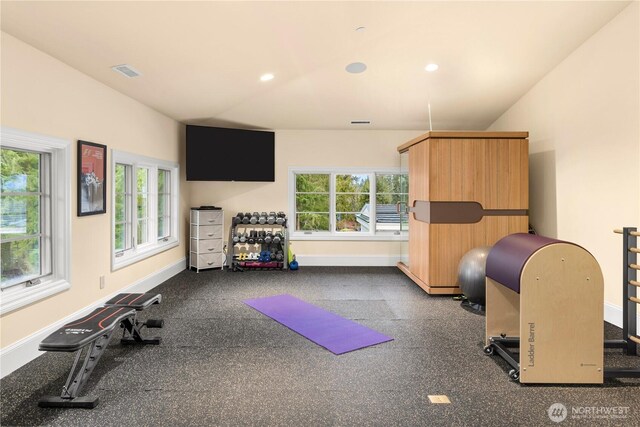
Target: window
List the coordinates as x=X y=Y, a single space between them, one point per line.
x=25 y=211
x=142 y=193
x=312 y=201
x=164 y=203
x=145 y=200
x=391 y=198
x=122 y=208
x=34 y=217
x=348 y=204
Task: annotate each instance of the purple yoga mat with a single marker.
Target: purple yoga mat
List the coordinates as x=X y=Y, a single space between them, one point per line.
x=335 y=333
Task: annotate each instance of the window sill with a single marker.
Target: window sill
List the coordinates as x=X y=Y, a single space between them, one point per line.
x=349 y=237
x=141 y=254
x=18 y=298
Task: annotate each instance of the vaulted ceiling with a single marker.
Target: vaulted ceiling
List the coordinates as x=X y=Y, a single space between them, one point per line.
x=201 y=61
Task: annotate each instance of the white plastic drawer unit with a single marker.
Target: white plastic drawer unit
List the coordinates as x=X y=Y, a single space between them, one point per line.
x=206 y=243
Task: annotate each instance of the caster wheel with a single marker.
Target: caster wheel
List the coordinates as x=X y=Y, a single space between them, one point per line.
x=488 y=350
x=514 y=375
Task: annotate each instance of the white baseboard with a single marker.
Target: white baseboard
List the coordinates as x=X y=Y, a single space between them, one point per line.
x=349 y=260
x=613 y=314
x=22 y=352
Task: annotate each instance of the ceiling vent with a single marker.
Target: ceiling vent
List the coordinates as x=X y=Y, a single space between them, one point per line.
x=126 y=70
x=360 y=122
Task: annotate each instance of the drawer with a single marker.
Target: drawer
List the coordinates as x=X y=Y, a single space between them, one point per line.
x=205 y=246
x=206 y=217
x=207 y=260
x=206 y=231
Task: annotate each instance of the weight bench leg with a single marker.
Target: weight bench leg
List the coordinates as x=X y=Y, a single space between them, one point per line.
x=133 y=335
x=76 y=381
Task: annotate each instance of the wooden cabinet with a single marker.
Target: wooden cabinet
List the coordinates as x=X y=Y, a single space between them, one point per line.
x=466 y=189
x=206 y=246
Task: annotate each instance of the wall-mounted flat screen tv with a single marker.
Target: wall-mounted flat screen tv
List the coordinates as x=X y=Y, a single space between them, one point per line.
x=220 y=154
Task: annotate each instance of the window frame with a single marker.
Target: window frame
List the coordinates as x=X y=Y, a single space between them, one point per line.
x=58 y=220
x=371 y=235
x=169 y=196
x=154 y=245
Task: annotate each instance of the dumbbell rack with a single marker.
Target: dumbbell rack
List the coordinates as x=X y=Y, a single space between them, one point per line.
x=233 y=262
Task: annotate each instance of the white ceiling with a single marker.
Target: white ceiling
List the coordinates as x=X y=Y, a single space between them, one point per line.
x=201 y=61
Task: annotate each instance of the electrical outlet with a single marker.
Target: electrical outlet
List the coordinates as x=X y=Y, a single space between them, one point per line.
x=101 y=282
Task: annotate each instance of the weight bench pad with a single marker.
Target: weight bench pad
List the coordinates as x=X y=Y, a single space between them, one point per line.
x=137 y=301
x=75 y=335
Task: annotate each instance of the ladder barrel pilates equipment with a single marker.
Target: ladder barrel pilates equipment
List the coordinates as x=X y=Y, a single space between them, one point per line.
x=546 y=298
x=532 y=287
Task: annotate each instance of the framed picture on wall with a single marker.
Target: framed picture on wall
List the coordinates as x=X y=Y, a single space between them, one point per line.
x=92 y=178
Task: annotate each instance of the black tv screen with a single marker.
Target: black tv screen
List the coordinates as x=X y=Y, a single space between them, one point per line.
x=220 y=154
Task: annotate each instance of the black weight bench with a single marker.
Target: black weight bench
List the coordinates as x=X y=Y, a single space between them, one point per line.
x=138 y=302
x=90 y=336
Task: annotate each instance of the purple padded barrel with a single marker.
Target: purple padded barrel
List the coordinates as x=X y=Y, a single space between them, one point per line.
x=509 y=255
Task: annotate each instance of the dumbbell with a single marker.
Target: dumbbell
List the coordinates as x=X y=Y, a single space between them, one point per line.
x=237 y=219
x=236 y=237
x=261 y=235
x=254 y=218
x=268 y=238
x=271 y=218
x=280 y=255
x=243 y=238
x=272 y=255
x=252 y=237
x=281 y=218
x=263 y=218
x=277 y=238
x=246 y=218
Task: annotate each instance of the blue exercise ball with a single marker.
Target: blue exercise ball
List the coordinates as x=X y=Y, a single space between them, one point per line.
x=471 y=274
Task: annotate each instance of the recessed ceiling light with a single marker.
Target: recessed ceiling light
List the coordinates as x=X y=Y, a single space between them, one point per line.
x=431 y=67
x=126 y=70
x=356 y=67
x=266 y=77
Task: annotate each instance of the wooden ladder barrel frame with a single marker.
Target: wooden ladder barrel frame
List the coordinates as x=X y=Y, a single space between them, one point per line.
x=556 y=319
x=541 y=282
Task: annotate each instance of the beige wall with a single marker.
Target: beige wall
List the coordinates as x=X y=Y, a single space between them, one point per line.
x=322 y=148
x=584 y=123
x=41 y=94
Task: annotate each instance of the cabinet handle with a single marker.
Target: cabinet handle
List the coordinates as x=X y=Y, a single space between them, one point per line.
x=210 y=249
x=210 y=262
x=210 y=234
x=211 y=220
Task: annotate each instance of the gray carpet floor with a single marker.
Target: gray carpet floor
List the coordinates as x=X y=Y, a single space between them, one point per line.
x=223 y=363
